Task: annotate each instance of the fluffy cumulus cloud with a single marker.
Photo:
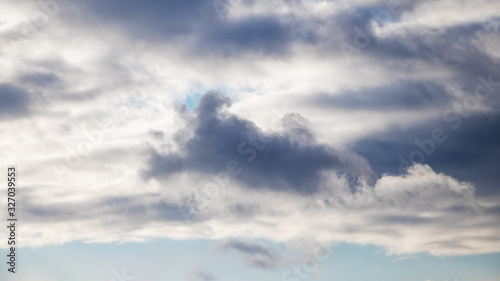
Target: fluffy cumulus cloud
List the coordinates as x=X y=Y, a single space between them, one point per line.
x=368 y=122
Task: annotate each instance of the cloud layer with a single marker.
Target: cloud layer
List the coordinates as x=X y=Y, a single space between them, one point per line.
x=254 y=254
x=87 y=113
x=292 y=160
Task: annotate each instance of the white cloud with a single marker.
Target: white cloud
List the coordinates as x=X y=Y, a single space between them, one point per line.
x=421 y=211
x=102 y=198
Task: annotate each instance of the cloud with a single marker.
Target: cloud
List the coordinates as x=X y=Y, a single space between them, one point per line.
x=200 y=275
x=265 y=35
x=459 y=48
x=303 y=178
x=280 y=161
x=195 y=24
x=39 y=79
x=153 y=19
x=402 y=95
x=468 y=153
x=254 y=254
x=419 y=211
x=14 y=101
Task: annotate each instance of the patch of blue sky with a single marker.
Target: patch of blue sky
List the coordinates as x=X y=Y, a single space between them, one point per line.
x=197 y=90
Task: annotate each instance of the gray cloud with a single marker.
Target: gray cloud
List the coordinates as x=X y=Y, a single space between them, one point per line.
x=257 y=34
x=194 y=21
x=14 y=101
x=469 y=153
x=455 y=48
x=130 y=209
x=154 y=19
x=402 y=95
x=452 y=56
x=292 y=160
x=39 y=79
x=200 y=275
x=254 y=254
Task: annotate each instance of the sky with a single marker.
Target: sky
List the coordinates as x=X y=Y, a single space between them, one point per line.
x=202 y=140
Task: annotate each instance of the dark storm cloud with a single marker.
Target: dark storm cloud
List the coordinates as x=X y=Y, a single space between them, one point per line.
x=14 y=101
x=471 y=151
x=402 y=95
x=254 y=254
x=214 y=138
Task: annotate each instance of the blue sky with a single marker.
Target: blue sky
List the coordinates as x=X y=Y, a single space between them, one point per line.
x=208 y=140
x=165 y=259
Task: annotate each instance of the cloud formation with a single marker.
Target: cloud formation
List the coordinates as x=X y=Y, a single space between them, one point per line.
x=291 y=160
x=14 y=101
x=402 y=95
x=254 y=254
x=468 y=152
x=200 y=275
x=142 y=174
x=421 y=211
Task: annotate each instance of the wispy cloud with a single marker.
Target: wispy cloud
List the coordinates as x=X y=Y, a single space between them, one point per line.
x=253 y=254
